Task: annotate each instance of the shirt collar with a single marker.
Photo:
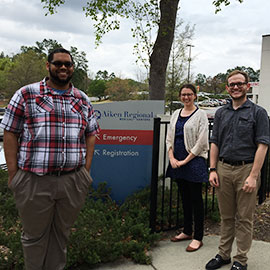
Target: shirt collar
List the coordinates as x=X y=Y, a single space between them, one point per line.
x=46 y=89
x=247 y=104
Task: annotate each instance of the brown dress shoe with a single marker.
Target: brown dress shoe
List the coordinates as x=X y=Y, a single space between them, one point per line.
x=175 y=239
x=191 y=249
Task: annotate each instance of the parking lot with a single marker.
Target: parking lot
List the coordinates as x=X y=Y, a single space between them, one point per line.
x=213 y=102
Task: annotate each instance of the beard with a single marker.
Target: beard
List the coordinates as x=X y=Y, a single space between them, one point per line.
x=56 y=80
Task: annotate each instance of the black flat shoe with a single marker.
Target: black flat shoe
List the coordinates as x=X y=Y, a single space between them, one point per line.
x=217 y=262
x=238 y=266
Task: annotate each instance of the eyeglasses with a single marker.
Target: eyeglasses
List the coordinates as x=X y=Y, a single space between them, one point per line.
x=59 y=64
x=187 y=95
x=238 y=84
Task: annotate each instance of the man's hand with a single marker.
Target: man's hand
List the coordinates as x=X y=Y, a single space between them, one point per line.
x=11 y=176
x=250 y=184
x=11 y=151
x=213 y=179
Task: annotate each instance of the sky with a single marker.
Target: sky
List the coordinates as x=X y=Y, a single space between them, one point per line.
x=221 y=41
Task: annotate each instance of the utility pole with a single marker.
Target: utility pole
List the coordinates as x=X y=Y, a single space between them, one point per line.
x=189 y=60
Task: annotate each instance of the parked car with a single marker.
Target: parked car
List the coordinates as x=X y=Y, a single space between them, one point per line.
x=1 y=130
x=214 y=101
x=174 y=105
x=2 y=111
x=206 y=103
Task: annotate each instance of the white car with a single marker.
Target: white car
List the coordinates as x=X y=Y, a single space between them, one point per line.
x=1 y=130
x=206 y=103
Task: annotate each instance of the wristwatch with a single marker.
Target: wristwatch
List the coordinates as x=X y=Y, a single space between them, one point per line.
x=212 y=169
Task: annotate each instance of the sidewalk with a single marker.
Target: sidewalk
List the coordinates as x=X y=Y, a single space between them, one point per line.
x=172 y=256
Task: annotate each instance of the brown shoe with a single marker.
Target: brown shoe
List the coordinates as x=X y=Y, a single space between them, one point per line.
x=175 y=239
x=191 y=249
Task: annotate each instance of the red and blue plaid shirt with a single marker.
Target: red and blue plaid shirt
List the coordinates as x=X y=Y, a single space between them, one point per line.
x=52 y=127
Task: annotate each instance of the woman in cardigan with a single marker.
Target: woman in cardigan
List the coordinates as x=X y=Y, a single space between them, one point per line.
x=187 y=145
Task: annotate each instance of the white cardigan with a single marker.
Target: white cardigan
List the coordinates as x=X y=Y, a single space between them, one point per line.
x=195 y=133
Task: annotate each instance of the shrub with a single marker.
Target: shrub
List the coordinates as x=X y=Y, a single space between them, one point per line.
x=106 y=231
x=11 y=255
x=103 y=232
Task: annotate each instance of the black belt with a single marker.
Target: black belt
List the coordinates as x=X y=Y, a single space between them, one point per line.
x=59 y=173
x=236 y=162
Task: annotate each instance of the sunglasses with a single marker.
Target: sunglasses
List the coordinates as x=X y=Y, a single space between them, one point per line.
x=59 y=64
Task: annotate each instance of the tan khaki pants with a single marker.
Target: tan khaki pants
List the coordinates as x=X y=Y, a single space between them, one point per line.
x=48 y=207
x=237 y=210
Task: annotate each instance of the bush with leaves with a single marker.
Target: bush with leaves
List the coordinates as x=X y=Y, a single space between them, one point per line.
x=103 y=232
x=11 y=255
x=106 y=231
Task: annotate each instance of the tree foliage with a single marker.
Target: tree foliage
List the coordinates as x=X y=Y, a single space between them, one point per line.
x=119 y=89
x=98 y=86
x=253 y=74
x=28 y=66
x=216 y=84
x=104 y=75
x=178 y=62
x=97 y=89
x=80 y=78
x=25 y=68
x=147 y=15
x=5 y=65
x=218 y=3
x=44 y=47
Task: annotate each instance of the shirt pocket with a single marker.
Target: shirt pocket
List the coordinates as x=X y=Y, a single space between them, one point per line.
x=78 y=116
x=44 y=104
x=41 y=115
x=38 y=116
x=245 y=126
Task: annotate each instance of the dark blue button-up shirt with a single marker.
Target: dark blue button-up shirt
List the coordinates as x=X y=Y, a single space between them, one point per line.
x=238 y=132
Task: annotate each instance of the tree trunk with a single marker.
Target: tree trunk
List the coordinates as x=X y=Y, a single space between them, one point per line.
x=162 y=47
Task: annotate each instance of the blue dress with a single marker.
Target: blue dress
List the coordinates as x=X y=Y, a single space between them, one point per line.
x=196 y=169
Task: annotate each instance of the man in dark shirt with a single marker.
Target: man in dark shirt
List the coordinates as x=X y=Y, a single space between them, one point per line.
x=239 y=144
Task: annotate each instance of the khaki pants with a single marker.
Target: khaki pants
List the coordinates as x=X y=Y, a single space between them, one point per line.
x=237 y=210
x=48 y=207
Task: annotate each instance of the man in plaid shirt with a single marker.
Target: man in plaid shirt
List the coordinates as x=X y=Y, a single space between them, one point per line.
x=49 y=138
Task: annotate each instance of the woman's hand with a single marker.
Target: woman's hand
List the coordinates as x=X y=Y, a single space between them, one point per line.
x=177 y=163
x=174 y=162
x=181 y=163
